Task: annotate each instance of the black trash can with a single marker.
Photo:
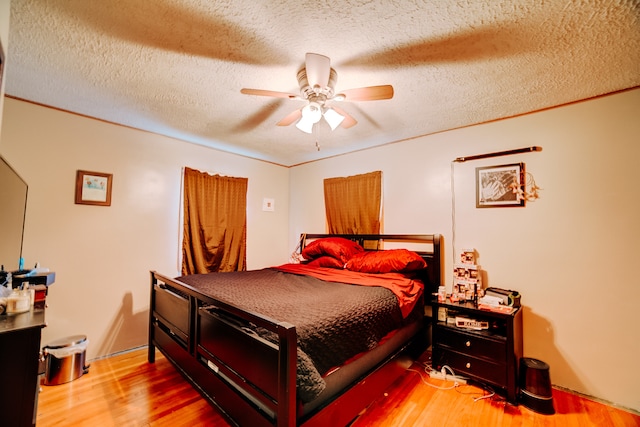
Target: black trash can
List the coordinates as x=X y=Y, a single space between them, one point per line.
x=65 y=360
x=535 y=386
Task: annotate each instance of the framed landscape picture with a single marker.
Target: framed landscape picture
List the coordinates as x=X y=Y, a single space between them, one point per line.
x=500 y=186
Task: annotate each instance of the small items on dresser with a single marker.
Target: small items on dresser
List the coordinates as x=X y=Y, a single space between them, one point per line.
x=19 y=301
x=21 y=290
x=14 y=300
x=467 y=278
x=499 y=300
x=467 y=287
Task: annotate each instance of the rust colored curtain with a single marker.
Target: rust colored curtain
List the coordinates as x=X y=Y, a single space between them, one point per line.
x=353 y=203
x=215 y=223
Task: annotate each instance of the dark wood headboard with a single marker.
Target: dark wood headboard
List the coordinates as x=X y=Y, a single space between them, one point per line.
x=428 y=246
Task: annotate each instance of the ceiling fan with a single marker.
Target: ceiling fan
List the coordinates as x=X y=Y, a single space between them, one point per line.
x=317 y=82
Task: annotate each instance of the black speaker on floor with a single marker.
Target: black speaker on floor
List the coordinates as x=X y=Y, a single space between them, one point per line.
x=535 y=386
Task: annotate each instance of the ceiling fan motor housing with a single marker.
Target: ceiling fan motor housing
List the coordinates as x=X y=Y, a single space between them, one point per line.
x=308 y=92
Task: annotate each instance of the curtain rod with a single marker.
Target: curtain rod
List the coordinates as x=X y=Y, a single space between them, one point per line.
x=498 y=153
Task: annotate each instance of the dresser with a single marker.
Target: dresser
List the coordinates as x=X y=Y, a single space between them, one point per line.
x=20 y=367
x=489 y=355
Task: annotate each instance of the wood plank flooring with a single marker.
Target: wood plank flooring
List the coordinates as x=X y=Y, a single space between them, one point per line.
x=125 y=390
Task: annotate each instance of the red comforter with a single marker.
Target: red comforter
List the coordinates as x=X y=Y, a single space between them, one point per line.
x=405 y=289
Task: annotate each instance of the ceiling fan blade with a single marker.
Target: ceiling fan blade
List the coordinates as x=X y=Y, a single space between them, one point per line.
x=369 y=93
x=348 y=120
x=290 y=118
x=272 y=93
x=254 y=120
x=318 y=69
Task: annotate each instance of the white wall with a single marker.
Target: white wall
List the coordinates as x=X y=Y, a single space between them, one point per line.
x=102 y=255
x=570 y=253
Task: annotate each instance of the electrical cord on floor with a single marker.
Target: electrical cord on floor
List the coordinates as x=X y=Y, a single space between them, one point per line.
x=427 y=368
x=485 y=396
x=487 y=392
x=457 y=379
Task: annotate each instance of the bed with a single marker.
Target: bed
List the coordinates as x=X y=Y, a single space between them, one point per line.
x=308 y=344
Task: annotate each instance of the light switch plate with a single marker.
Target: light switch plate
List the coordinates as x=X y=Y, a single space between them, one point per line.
x=268 y=205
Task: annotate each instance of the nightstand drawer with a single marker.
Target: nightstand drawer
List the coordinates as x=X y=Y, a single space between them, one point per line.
x=463 y=364
x=478 y=345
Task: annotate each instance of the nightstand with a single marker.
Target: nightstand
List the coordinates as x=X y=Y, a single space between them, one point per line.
x=488 y=356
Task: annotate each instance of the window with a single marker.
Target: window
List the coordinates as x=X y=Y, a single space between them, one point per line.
x=353 y=204
x=215 y=223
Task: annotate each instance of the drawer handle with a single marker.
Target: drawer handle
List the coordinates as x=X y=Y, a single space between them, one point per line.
x=468 y=365
x=468 y=343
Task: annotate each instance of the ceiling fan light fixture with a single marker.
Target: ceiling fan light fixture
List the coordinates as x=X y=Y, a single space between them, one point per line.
x=312 y=112
x=305 y=125
x=333 y=118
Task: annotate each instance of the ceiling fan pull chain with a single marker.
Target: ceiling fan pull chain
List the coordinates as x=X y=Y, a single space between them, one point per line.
x=316 y=130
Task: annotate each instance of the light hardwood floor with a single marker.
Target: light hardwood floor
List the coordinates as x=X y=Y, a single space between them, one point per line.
x=125 y=390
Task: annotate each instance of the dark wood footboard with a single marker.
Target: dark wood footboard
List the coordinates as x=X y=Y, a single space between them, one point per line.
x=250 y=380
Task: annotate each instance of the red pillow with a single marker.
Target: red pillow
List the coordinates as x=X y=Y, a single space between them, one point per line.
x=337 y=247
x=325 y=261
x=389 y=261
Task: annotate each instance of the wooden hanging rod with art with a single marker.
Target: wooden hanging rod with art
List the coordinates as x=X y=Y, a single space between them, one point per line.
x=498 y=153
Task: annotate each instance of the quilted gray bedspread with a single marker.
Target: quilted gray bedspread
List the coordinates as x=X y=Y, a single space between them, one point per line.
x=334 y=321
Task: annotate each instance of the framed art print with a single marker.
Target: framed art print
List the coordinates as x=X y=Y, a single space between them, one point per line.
x=500 y=186
x=93 y=188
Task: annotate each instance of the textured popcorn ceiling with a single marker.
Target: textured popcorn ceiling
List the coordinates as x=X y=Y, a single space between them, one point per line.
x=176 y=67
